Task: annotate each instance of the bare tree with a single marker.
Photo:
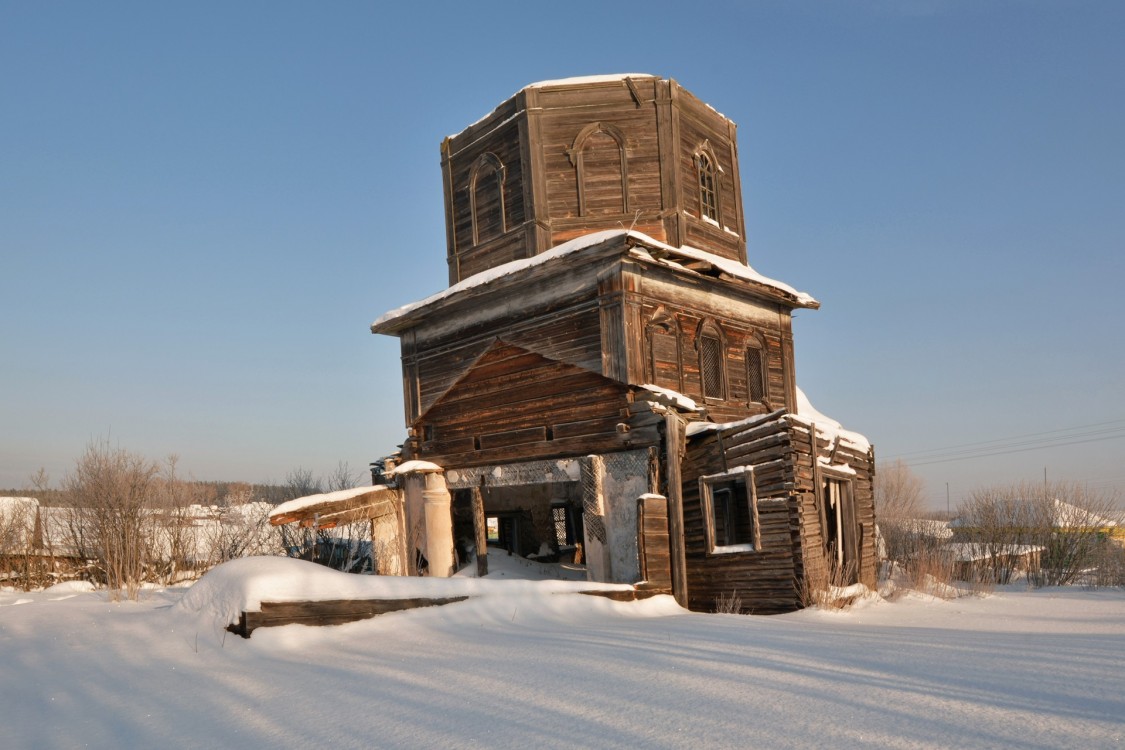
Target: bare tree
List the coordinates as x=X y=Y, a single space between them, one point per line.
x=111 y=491
x=343 y=478
x=17 y=528
x=898 y=492
x=913 y=545
x=1057 y=530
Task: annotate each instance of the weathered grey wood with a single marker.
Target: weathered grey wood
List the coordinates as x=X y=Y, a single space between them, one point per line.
x=480 y=532
x=328 y=612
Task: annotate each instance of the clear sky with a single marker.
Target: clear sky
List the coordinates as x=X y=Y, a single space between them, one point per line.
x=204 y=205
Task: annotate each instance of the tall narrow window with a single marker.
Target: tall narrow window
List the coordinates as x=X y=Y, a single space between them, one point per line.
x=708 y=198
x=710 y=342
x=665 y=369
x=756 y=373
x=486 y=198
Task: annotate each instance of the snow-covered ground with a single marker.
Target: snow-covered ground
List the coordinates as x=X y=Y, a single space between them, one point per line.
x=522 y=666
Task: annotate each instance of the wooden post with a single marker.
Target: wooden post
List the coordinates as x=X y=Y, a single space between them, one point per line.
x=674 y=439
x=480 y=526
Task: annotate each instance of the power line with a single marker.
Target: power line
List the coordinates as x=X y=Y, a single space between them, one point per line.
x=969 y=455
x=1018 y=443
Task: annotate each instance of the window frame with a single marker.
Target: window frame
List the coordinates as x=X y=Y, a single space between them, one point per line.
x=487 y=165
x=846 y=519
x=577 y=156
x=709 y=329
x=707 y=185
x=756 y=347
x=707 y=483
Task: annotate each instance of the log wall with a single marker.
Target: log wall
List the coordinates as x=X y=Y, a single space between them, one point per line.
x=792 y=560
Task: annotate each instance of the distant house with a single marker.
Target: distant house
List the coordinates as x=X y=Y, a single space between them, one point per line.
x=606 y=380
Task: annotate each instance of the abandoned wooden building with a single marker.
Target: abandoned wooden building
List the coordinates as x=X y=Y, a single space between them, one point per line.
x=605 y=378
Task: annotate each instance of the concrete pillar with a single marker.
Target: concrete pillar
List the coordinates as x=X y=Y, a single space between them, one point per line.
x=439 y=526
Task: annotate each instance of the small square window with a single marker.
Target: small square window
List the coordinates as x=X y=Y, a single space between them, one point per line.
x=730 y=511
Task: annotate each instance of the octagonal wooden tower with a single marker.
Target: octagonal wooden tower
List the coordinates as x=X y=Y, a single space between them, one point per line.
x=561 y=159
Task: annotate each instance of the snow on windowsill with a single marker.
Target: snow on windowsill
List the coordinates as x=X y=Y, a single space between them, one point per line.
x=728 y=549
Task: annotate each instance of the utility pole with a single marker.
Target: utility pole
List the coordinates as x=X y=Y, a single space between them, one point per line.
x=947 y=498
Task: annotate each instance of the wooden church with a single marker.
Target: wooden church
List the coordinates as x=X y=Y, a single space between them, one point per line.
x=606 y=381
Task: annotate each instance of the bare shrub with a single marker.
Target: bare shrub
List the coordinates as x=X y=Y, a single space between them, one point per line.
x=830 y=588
x=110 y=491
x=728 y=604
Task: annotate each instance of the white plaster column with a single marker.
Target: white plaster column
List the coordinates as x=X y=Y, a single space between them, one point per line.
x=439 y=526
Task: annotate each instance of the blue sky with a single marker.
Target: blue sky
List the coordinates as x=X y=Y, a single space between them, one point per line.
x=204 y=206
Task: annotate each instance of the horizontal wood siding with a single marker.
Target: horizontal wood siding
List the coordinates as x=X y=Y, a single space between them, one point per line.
x=862 y=463
x=571 y=336
x=497 y=244
x=671 y=358
x=513 y=404
x=699 y=125
x=793 y=560
x=767 y=580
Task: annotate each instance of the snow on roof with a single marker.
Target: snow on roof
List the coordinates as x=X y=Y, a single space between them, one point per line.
x=726 y=265
x=300 y=503
x=11 y=505
x=581 y=80
x=806 y=414
x=696 y=428
x=578 y=244
x=671 y=398
x=415 y=465
x=499 y=272
x=827 y=426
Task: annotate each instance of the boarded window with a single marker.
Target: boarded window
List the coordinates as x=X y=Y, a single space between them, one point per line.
x=711 y=365
x=601 y=175
x=730 y=511
x=708 y=198
x=486 y=196
x=664 y=350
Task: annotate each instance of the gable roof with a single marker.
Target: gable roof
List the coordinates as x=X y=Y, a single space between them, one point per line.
x=503 y=354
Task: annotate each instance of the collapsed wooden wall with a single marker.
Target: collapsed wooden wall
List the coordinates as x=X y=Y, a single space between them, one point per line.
x=792 y=561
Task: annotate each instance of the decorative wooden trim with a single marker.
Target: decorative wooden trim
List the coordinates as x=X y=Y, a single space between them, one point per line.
x=576 y=154
x=486 y=161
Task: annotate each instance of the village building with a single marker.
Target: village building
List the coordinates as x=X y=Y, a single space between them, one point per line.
x=606 y=381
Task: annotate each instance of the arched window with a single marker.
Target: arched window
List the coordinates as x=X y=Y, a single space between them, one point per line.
x=711 y=360
x=486 y=198
x=757 y=385
x=707 y=168
x=601 y=169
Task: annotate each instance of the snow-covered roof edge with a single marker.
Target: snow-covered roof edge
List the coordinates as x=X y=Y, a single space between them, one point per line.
x=806 y=414
x=582 y=80
x=573 y=81
x=728 y=266
x=339 y=496
x=828 y=426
